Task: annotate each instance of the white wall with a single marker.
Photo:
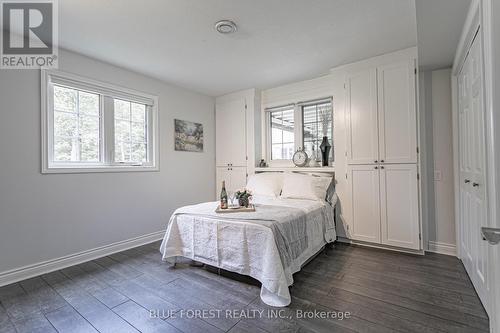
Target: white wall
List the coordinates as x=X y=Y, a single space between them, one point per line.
x=45 y=217
x=436 y=106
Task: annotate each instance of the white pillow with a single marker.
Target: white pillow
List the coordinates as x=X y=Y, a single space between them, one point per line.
x=321 y=185
x=267 y=184
x=298 y=186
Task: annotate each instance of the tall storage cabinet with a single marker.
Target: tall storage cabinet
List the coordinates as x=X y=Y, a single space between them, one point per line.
x=382 y=154
x=236 y=116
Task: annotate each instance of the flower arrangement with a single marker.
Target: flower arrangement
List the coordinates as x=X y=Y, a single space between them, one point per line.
x=325 y=116
x=243 y=197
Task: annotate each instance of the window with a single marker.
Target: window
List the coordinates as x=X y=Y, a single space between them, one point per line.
x=90 y=126
x=130 y=132
x=282 y=133
x=296 y=126
x=316 y=123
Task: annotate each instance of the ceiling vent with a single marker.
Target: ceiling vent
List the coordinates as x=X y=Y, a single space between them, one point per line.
x=225 y=27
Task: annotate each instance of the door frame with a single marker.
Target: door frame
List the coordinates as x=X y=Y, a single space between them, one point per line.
x=491 y=41
x=480 y=16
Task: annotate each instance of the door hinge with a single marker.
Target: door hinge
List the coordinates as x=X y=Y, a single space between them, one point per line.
x=346 y=153
x=415 y=70
x=246 y=106
x=420 y=236
x=246 y=158
x=418 y=176
x=346 y=176
x=418 y=150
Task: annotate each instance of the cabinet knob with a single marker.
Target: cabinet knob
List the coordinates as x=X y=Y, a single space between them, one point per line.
x=466 y=181
x=376 y=161
x=381 y=167
x=376 y=167
x=381 y=161
x=475 y=184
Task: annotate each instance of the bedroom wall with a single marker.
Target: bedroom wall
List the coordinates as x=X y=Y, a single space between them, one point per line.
x=436 y=106
x=44 y=217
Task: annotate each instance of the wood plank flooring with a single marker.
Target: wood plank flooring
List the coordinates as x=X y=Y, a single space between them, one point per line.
x=135 y=291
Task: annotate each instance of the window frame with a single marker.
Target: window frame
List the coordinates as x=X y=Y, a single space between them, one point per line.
x=107 y=93
x=298 y=128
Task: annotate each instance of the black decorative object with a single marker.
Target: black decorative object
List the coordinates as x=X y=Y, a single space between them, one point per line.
x=325 y=150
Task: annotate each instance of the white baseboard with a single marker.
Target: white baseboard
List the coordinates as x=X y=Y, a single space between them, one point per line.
x=378 y=246
x=48 y=266
x=442 y=248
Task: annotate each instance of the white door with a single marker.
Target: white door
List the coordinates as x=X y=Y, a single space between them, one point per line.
x=473 y=201
x=399 y=205
x=230 y=133
x=365 y=202
x=397 y=113
x=362 y=132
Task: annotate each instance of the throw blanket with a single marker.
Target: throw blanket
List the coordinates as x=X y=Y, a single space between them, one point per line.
x=288 y=224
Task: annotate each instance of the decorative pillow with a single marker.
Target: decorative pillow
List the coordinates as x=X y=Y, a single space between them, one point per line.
x=265 y=184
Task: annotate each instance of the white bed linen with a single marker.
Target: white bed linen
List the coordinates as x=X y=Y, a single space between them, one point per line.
x=246 y=247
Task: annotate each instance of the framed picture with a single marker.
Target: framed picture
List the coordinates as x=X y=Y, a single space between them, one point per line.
x=188 y=136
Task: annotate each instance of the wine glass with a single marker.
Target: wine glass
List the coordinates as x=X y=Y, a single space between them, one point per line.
x=231 y=195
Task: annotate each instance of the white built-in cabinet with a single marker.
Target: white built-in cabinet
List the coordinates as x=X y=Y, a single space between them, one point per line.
x=381 y=115
x=236 y=116
x=385 y=204
x=382 y=154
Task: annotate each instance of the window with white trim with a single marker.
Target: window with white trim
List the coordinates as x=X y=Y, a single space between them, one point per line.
x=296 y=126
x=89 y=126
x=282 y=133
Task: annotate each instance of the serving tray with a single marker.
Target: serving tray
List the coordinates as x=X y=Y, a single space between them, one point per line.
x=250 y=208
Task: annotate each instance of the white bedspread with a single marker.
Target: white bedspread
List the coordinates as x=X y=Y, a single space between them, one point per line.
x=245 y=246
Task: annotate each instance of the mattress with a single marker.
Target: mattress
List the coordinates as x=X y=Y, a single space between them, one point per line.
x=246 y=247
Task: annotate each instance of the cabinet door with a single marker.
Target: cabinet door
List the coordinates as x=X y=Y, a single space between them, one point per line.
x=222 y=174
x=222 y=132
x=230 y=133
x=362 y=132
x=399 y=206
x=397 y=113
x=235 y=178
x=365 y=211
x=238 y=178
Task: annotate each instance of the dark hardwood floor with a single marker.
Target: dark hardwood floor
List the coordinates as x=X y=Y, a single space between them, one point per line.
x=376 y=291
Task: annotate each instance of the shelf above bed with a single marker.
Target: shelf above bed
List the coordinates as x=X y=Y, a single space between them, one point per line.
x=328 y=169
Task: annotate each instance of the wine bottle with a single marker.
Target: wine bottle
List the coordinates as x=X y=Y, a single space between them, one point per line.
x=223 y=196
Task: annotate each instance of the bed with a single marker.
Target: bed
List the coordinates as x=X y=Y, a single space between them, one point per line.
x=270 y=244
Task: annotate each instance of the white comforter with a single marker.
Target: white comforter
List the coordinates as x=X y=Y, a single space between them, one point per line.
x=246 y=247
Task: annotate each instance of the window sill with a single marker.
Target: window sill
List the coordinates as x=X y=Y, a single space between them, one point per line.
x=98 y=169
x=294 y=168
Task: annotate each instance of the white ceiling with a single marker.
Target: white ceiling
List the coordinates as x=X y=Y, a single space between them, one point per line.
x=439 y=26
x=278 y=41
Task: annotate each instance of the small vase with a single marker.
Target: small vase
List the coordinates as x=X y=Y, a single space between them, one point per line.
x=244 y=202
x=325 y=150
